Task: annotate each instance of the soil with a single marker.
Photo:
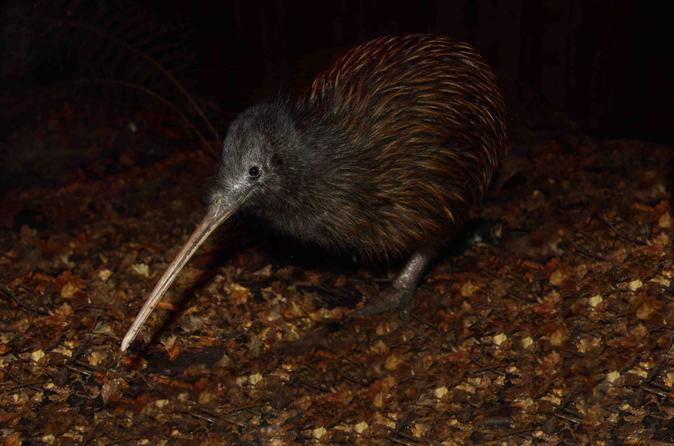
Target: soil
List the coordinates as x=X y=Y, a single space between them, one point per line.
x=556 y=329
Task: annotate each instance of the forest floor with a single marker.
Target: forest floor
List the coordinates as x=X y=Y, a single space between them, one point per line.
x=560 y=331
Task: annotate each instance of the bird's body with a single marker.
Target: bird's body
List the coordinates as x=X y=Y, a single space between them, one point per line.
x=390 y=147
x=383 y=155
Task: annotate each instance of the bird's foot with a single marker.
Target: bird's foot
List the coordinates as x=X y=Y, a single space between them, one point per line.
x=400 y=295
x=391 y=299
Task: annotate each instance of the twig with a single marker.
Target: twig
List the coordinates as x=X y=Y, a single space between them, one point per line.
x=200 y=417
x=657 y=369
x=403 y=436
x=498 y=421
x=234 y=410
x=572 y=413
x=567 y=418
x=13 y=298
x=429 y=325
x=585 y=253
x=80 y=350
x=353 y=380
x=400 y=441
x=78 y=370
x=223 y=416
x=657 y=392
x=619 y=235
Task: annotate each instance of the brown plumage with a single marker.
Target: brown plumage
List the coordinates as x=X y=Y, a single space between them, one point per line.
x=383 y=155
x=425 y=131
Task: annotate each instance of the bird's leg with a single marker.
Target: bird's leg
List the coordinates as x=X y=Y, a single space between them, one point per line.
x=401 y=293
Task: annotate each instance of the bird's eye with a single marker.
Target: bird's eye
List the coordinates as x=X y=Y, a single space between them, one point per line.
x=254 y=172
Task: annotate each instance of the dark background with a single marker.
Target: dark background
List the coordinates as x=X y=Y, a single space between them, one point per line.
x=606 y=64
x=596 y=68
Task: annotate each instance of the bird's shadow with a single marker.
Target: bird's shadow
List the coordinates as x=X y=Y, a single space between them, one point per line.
x=322 y=335
x=281 y=251
x=225 y=250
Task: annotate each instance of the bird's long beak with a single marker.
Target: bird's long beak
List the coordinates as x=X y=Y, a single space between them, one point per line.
x=217 y=213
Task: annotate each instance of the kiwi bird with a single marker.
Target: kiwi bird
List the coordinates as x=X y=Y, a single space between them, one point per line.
x=383 y=156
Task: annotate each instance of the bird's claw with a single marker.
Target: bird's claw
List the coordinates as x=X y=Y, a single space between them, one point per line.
x=391 y=299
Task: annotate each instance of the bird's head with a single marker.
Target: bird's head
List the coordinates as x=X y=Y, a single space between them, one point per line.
x=259 y=145
x=254 y=173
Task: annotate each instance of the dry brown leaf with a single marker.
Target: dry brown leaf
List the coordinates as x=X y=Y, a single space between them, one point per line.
x=13 y=439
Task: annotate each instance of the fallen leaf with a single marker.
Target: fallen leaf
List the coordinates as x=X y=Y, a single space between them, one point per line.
x=69 y=290
x=665 y=221
x=96 y=358
x=635 y=284
x=557 y=337
x=255 y=378
x=595 y=300
x=419 y=429
x=440 y=392
x=468 y=289
x=37 y=355
x=392 y=362
x=141 y=269
x=557 y=277
x=526 y=342
x=110 y=391
x=104 y=274
x=500 y=338
x=612 y=376
x=379 y=400
x=319 y=432
x=13 y=439
x=239 y=294
x=360 y=427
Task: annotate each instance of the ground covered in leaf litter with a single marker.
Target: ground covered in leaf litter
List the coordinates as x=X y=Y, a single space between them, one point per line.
x=560 y=333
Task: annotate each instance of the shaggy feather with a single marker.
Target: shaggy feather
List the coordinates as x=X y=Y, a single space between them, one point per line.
x=384 y=154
